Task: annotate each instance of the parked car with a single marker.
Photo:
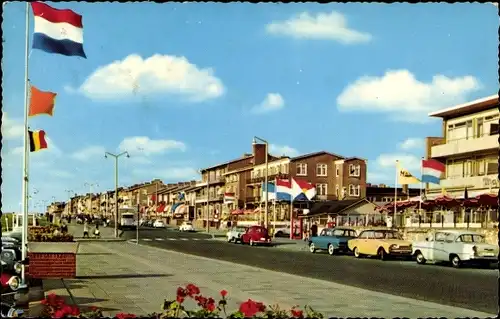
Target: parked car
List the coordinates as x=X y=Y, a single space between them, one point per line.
x=158 y=224
x=282 y=231
x=186 y=226
x=234 y=234
x=333 y=240
x=383 y=243
x=256 y=235
x=457 y=247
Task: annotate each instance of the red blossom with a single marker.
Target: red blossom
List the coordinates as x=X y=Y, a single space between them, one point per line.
x=297 y=313
x=58 y=314
x=180 y=299
x=249 y=308
x=181 y=292
x=123 y=315
x=223 y=293
x=211 y=307
x=93 y=308
x=192 y=290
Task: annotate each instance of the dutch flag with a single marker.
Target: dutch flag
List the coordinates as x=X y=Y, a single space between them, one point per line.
x=57 y=31
x=432 y=171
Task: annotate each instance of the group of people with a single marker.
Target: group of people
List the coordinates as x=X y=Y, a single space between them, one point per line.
x=86 y=228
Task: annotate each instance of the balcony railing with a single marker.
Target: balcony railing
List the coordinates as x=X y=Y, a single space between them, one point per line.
x=252 y=199
x=463 y=146
x=270 y=178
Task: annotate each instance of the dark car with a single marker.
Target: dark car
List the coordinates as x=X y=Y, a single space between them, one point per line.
x=256 y=235
x=333 y=240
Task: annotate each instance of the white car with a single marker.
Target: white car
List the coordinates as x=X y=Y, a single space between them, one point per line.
x=158 y=224
x=282 y=231
x=234 y=234
x=186 y=226
x=457 y=247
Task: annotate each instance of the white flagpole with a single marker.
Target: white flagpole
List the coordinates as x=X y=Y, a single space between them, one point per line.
x=26 y=149
x=421 y=185
x=274 y=207
x=396 y=191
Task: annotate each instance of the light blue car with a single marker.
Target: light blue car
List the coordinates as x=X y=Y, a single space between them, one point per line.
x=333 y=240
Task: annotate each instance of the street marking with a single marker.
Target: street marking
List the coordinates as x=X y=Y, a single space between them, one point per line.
x=171 y=238
x=160 y=239
x=147 y=239
x=184 y=238
x=196 y=239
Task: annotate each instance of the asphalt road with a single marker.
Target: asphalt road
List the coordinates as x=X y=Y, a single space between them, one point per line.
x=470 y=288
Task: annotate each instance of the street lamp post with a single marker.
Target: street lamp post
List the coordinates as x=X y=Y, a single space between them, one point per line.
x=69 y=191
x=266 y=176
x=116 y=157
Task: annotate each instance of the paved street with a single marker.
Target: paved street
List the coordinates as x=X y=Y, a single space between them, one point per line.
x=120 y=276
x=468 y=288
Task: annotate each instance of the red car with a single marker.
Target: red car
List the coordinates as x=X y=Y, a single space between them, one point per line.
x=256 y=235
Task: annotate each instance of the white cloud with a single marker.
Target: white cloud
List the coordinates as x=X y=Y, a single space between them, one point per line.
x=323 y=26
x=170 y=173
x=407 y=161
x=272 y=102
x=12 y=128
x=158 y=74
x=89 y=153
x=411 y=144
x=144 y=146
x=279 y=150
x=405 y=98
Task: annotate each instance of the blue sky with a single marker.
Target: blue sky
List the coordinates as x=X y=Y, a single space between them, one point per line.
x=185 y=86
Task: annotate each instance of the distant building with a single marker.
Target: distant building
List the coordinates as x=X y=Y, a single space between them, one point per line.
x=468 y=148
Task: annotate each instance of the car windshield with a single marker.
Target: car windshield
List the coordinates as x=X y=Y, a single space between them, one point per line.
x=387 y=235
x=127 y=215
x=472 y=238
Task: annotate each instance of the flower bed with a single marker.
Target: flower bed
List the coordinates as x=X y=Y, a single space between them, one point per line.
x=208 y=307
x=47 y=234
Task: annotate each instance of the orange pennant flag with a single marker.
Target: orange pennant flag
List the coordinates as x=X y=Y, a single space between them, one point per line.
x=41 y=102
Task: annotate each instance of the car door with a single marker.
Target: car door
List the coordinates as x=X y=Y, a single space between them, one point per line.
x=320 y=241
x=364 y=242
x=438 y=247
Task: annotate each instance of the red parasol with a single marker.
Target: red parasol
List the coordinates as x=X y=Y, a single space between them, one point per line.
x=488 y=200
x=446 y=201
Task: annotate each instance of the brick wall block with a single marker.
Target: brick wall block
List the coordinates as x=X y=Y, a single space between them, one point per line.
x=52 y=265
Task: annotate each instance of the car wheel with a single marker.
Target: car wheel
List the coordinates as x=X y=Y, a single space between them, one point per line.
x=331 y=250
x=381 y=254
x=251 y=242
x=279 y=234
x=229 y=239
x=420 y=258
x=356 y=252
x=312 y=248
x=455 y=261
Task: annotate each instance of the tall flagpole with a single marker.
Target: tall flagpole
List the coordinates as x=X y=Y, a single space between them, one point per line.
x=396 y=191
x=26 y=149
x=274 y=207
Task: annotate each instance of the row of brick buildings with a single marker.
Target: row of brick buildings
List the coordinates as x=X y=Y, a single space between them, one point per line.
x=236 y=185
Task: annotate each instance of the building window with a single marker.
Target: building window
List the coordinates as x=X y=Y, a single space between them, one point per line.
x=354 y=170
x=344 y=191
x=337 y=171
x=337 y=191
x=321 y=170
x=301 y=169
x=354 y=190
x=322 y=189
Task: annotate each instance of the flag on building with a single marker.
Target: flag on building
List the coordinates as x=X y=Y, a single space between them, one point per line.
x=57 y=31
x=41 y=102
x=281 y=191
x=229 y=198
x=37 y=140
x=406 y=178
x=300 y=187
x=181 y=196
x=432 y=171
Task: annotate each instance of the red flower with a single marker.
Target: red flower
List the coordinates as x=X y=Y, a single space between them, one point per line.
x=192 y=290
x=123 y=315
x=75 y=311
x=211 y=307
x=93 y=308
x=58 y=314
x=223 y=293
x=249 y=308
x=180 y=299
x=181 y=292
x=296 y=313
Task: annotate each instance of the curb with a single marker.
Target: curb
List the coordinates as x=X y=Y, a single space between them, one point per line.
x=100 y=240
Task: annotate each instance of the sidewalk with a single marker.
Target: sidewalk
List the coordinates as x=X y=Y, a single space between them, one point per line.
x=124 y=277
x=107 y=233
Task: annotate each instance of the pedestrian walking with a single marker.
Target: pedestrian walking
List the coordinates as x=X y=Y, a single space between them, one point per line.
x=64 y=227
x=97 y=232
x=86 y=230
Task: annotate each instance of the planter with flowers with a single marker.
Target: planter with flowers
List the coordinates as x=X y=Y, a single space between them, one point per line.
x=51 y=253
x=208 y=307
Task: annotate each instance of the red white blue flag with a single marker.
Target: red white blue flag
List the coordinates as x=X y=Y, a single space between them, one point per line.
x=57 y=31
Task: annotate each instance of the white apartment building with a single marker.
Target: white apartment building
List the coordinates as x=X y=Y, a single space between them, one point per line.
x=469 y=148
